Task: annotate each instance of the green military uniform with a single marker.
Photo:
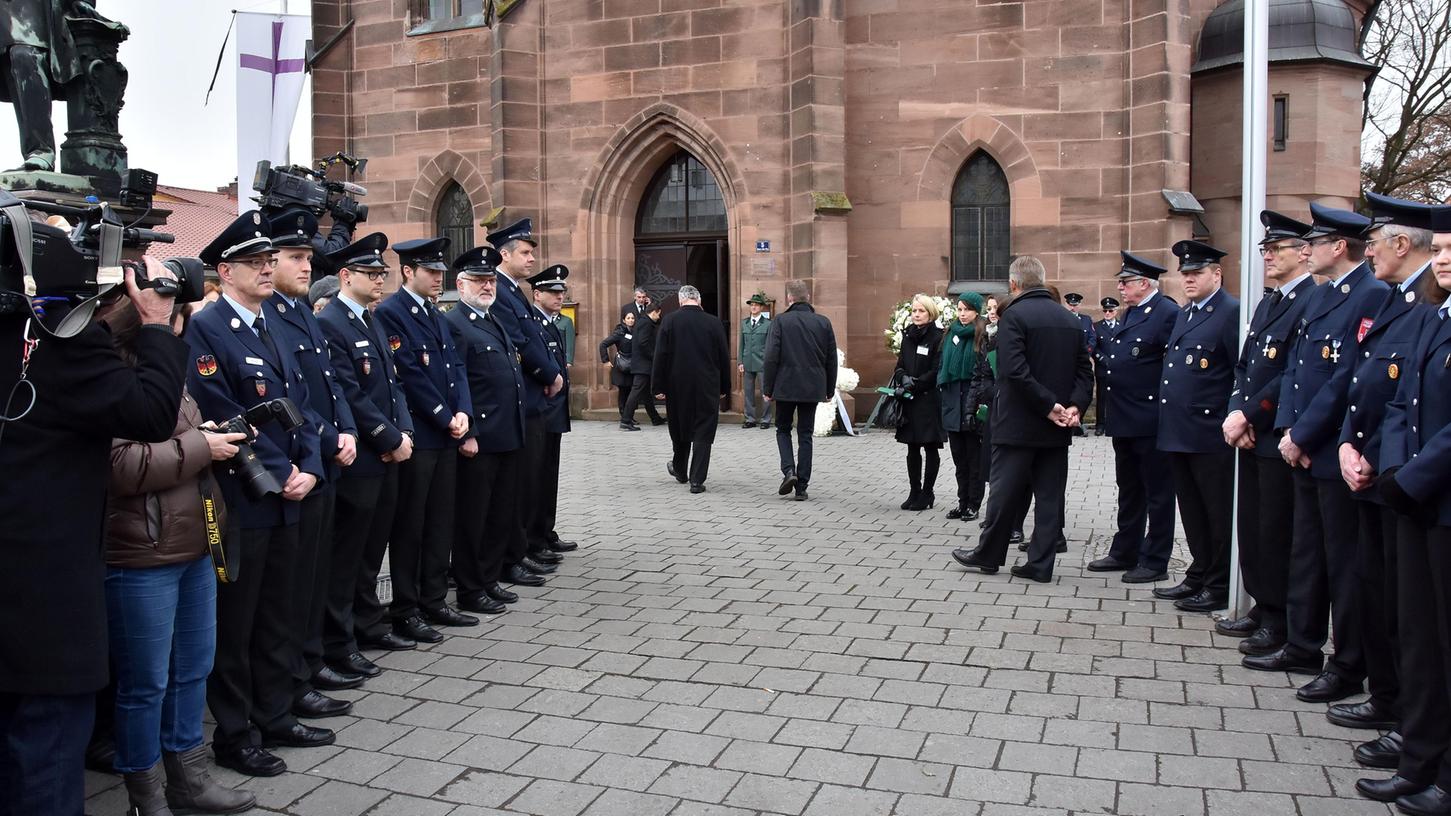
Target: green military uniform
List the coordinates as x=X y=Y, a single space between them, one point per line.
x=752 y=357
x=565 y=325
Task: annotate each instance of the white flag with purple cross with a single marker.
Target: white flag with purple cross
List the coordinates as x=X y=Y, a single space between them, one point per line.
x=271 y=69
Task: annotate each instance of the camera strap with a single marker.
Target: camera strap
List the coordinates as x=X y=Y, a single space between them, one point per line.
x=111 y=236
x=214 y=531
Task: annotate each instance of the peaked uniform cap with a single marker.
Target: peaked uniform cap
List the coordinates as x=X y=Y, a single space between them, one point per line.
x=247 y=235
x=1073 y=298
x=1135 y=267
x=364 y=253
x=292 y=228
x=425 y=253
x=1109 y=303
x=1279 y=226
x=521 y=230
x=1194 y=255
x=1330 y=221
x=1385 y=210
x=551 y=279
x=481 y=261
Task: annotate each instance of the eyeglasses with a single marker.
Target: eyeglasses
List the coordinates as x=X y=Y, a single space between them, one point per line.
x=373 y=274
x=1273 y=248
x=1324 y=241
x=257 y=264
x=1123 y=283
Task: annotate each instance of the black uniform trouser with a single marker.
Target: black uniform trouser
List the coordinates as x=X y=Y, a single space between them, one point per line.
x=1145 y=501
x=250 y=687
x=1204 y=485
x=312 y=566
x=365 y=508
x=542 y=484
x=1323 y=583
x=1016 y=471
x=803 y=416
x=422 y=531
x=1266 y=526
x=640 y=392
x=489 y=489
x=1376 y=570
x=967 y=461
x=42 y=752
x=1424 y=604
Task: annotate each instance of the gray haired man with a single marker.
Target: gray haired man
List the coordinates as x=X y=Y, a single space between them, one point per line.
x=691 y=372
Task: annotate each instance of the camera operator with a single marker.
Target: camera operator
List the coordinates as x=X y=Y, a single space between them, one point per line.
x=53 y=652
x=299 y=335
x=161 y=598
x=438 y=395
x=238 y=365
x=368 y=489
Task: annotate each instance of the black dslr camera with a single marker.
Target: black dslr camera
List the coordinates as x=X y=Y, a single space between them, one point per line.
x=282 y=187
x=71 y=267
x=256 y=481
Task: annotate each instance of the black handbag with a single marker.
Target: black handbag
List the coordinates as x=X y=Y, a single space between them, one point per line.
x=891 y=410
x=622 y=363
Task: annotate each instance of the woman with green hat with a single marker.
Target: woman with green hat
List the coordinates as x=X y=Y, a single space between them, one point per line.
x=964 y=381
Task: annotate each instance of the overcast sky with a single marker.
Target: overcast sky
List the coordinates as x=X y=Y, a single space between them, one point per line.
x=170 y=57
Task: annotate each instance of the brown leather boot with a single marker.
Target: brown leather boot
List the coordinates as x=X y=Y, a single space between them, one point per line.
x=191 y=789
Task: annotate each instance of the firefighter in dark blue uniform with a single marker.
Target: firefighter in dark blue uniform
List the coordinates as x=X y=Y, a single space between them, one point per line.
x=1266 y=489
x=1399 y=247
x=239 y=365
x=1102 y=329
x=298 y=334
x=490 y=457
x=1415 y=459
x=368 y=488
x=549 y=287
x=543 y=377
x=1198 y=376
x=1130 y=358
x=438 y=396
x=1312 y=405
x=1073 y=300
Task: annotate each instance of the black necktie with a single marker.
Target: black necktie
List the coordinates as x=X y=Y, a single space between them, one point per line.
x=261 y=328
x=1276 y=297
x=367 y=318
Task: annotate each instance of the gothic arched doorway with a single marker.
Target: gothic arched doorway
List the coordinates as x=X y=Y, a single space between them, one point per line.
x=681 y=237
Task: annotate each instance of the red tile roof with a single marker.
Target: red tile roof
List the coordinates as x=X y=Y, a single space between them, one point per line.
x=197 y=216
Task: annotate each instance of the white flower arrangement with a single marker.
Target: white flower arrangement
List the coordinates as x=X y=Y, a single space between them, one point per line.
x=902 y=317
x=826 y=412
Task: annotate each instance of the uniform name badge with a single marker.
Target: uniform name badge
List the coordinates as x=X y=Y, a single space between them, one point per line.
x=923 y=350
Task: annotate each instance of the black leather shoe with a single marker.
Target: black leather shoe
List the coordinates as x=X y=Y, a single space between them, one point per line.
x=1281 y=660
x=1018 y=538
x=516 y=574
x=1433 y=801
x=1143 y=575
x=1175 y=592
x=658 y=421
x=973 y=560
x=748 y=424
x=1109 y=564
x=330 y=679
x=696 y=487
x=788 y=483
x=1361 y=715
x=955 y=513
x=1262 y=642
x=414 y=628
x=764 y=426
x=1237 y=627
x=315 y=705
x=537 y=568
x=561 y=546
x=389 y=642
x=1382 y=752
x=298 y=736
x=629 y=426
x=670 y=468
x=355 y=663
x=1387 y=790
x=800 y=493
x=500 y=594
x=483 y=604
x=970 y=514
x=1328 y=687
x=544 y=556
x=251 y=760
x=1024 y=571
x=1202 y=601
x=1062 y=546
x=448 y=616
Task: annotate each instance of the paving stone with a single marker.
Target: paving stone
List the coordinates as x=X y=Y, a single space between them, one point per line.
x=630 y=803
x=835 y=800
x=628 y=772
x=832 y=766
x=338 y=799
x=554 y=762
x=1160 y=800
x=696 y=749
x=549 y=798
x=353 y=765
x=692 y=782
x=758 y=757
x=991 y=786
x=1078 y=795
x=418 y=777
x=910 y=776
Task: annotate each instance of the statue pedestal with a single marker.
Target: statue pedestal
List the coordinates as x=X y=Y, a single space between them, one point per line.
x=92 y=147
x=62 y=188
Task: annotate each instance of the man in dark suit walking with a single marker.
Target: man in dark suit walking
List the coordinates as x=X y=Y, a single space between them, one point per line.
x=1130 y=356
x=800 y=373
x=1045 y=383
x=691 y=372
x=1266 y=488
x=647 y=328
x=1198 y=376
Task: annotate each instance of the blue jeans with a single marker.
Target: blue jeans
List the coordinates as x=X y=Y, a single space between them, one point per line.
x=163 y=623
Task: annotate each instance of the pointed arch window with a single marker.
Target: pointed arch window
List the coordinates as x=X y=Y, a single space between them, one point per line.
x=981 y=221
x=454 y=221
x=682 y=198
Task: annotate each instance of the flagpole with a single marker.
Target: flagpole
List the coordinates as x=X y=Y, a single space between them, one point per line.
x=1253 y=149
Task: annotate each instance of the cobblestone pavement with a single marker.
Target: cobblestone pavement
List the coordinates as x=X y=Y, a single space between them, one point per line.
x=733 y=653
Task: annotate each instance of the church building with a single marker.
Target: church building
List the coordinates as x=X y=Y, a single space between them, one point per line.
x=876 y=148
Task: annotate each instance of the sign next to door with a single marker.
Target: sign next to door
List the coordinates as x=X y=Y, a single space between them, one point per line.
x=763 y=246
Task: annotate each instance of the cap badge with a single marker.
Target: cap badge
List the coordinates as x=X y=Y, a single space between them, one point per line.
x=256 y=218
x=1394 y=371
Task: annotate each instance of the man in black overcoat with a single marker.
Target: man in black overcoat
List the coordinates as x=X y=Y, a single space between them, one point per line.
x=691 y=372
x=1045 y=383
x=53 y=650
x=800 y=374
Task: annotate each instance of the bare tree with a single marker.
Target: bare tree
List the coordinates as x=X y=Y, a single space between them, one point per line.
x=1406 y=120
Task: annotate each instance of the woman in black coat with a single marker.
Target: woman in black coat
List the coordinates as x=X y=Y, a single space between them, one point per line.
x=965 y=381
x=622 y=338
x=921 y=428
